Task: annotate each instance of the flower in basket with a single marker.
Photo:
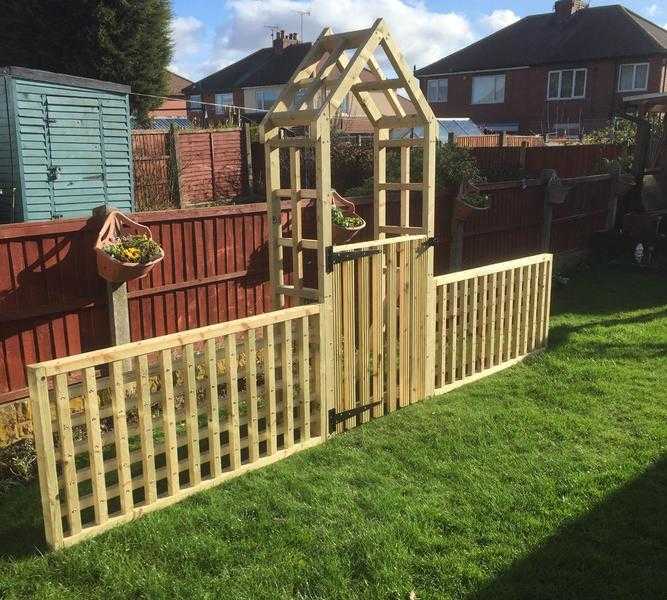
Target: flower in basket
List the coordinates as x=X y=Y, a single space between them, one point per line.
x=339 y=218
x=137 y=249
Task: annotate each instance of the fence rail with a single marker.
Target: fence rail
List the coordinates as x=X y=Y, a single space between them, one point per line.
x=167 y=417
x=489 y=318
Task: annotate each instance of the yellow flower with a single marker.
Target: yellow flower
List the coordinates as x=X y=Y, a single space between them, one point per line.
x=132 y=254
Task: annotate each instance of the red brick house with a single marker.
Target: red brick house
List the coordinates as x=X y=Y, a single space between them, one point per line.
x=564 y=72
x=255 y=82
x=174 y=106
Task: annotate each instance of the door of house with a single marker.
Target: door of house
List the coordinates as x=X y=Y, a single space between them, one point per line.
x=379 y=296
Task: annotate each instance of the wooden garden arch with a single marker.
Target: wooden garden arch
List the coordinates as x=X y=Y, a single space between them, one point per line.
x=329 y=71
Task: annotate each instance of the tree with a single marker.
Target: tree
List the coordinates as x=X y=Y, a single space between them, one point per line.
x=124 y=41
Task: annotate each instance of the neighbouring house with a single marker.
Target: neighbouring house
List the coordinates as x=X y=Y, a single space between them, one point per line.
x=173 y=107
x=561 y=73
x=255 y=82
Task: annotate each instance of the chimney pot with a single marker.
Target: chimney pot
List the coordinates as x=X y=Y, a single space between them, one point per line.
x=282 y=41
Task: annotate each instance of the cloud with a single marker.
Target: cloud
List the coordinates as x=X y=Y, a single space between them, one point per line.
x=180 y=70
x=186 y=34
x=499 y=19
x=424 y=35
x=653 y=10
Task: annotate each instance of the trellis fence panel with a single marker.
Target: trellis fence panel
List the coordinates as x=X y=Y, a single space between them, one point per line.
x=167 y=417
x=490 y=318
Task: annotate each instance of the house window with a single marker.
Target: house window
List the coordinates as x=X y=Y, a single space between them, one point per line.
x=568 y=84
x=194 y=102
x=345 y=105
x=436 y=90
x=223 y=102
x=488 y=89
x=633 y=77
x=265 y=99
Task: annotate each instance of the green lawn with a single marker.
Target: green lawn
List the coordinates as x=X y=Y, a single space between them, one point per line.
x=546 y=481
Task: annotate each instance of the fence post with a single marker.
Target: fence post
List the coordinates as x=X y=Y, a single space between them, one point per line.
x=174 y=165
x=502 y=140
x=117 y=302
x=456 y=246
x=547 y=218
x=522 y=155
x=450 y=137
x=248 y=157
x=212 y=152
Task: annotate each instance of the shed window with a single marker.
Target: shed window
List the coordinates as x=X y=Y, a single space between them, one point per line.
x=633 y=77
x=488 y=89
x=437 y=90
x=223 y=102
x=568 y=84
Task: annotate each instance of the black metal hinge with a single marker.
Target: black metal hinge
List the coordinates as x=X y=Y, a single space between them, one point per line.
x=341 y=256
x=335 y=418
x=431 y=242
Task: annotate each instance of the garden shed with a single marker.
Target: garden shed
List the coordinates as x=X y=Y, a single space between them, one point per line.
x=65 y=145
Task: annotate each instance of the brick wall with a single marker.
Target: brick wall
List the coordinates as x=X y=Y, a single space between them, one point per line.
x=526 y=91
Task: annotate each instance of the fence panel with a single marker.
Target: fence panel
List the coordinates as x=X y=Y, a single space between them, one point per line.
x=489 y=318
x=53 y=303
x=165 y=418
x=153 y=177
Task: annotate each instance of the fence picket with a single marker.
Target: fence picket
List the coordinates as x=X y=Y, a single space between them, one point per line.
x=192 y=419
x=95 y=446
x=251 y=384
x=63 y=411
x=117 y=382
x=169 y=423
x=377 y=320
x=288 y=385
x=392 y=297
x=233 y=402
x=145 y=416
x=304 y=378
x=270 y=377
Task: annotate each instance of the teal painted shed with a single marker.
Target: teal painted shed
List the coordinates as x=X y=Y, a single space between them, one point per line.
x=65 y=145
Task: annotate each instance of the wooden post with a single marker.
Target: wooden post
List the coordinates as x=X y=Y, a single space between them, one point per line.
x=546 y=221
x=248 y=157
x=450 y=138
x=523 y=155
x=502 y=139
x=117 y=302
x=212 y=153
x=174 y=165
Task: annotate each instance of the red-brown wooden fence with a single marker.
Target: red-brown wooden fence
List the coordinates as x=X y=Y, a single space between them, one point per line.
x=492 y=141
x=52 y=303
x=208 y=166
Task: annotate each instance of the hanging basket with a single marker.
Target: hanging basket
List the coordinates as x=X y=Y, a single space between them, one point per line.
x=115 y=226
x=463 y=210
x=342 y=235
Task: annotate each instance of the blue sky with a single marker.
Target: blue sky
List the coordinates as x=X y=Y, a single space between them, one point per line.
x=210 y=34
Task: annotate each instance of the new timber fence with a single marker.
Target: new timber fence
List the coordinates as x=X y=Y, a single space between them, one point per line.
x=489 y=318
x=167 y=417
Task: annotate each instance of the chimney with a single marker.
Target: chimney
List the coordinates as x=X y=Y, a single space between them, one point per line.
x=566 y=8
x=281 y=41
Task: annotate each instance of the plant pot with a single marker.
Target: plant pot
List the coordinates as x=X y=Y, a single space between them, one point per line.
x=117 y=225
x=342 y=235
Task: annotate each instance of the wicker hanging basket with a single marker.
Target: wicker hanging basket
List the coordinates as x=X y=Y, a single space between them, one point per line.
x=115 y=226
x=342 y=235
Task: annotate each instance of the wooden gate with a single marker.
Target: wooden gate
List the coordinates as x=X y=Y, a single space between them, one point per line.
x=379 y=297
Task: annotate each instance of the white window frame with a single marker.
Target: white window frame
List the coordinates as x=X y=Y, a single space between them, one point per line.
x=560 y=84
x=634 y=76
x=195 y=104
x=497 y=75
x=260 y=93
x=220 y=100
x=438 y=81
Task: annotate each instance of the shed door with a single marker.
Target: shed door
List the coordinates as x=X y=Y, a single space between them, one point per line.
x=75 y=154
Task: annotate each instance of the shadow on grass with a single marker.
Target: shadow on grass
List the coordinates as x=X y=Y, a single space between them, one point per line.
x=560 y=334
x=619 y=550
x=21 y=525
x=607 y=290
